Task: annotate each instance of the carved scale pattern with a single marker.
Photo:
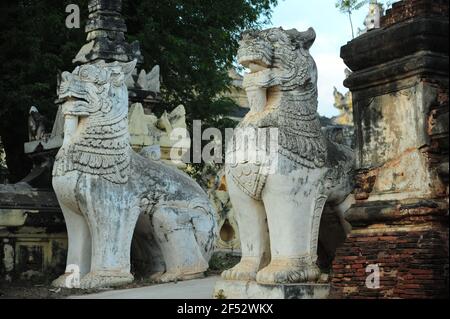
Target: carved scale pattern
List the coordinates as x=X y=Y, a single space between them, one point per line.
x=103 y=149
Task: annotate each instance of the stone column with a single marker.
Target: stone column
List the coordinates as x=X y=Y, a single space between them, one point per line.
x=399 y=86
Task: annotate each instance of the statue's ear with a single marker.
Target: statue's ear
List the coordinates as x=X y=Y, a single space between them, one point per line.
x=127 y=68
x=307 y=38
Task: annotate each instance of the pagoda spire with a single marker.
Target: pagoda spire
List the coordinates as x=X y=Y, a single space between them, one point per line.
x=106 y=30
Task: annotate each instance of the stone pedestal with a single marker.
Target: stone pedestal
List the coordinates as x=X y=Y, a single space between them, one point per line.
x=226 y=289
x=399 y=87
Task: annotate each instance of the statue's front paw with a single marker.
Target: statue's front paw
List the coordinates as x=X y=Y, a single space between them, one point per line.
x=62 y=281
x=169 y=277
x=174 y=277
x=105 y=279
x=279 y=274
x=156 y=276
x=245 y=270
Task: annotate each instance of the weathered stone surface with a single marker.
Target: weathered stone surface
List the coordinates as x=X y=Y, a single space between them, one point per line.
x=225 y=289
x=420 y=38
x=142 y=127
x=279 y=209
x=149 y=82
x=23 y=196
x=145 y=88
x=152 y=136
x=106 y=190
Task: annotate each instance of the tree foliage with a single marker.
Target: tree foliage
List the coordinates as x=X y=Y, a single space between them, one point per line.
x=34 y=45
x=348 y=7
x=193 y=41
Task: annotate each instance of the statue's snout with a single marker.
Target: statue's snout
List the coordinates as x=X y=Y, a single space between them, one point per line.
x=65 y=76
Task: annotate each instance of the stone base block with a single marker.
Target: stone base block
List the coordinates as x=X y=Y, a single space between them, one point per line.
x=228 y=289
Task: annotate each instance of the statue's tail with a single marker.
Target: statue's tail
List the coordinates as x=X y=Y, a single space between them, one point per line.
x=205 y=225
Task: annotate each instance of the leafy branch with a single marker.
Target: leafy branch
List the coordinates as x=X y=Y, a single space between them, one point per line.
x=348 y=7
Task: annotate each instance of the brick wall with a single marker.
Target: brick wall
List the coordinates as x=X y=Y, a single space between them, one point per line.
x=403 y=229
x=413 y=263
x=408 y=9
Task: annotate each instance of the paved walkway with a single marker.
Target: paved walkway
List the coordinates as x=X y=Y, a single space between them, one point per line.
x=191 y=289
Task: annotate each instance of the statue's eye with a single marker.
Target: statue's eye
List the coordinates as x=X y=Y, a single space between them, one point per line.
x=88 y=72
x=84 y=73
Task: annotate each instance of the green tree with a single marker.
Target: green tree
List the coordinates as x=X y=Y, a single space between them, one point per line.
x=194 y=42
x=348 y=7
x=34 y=45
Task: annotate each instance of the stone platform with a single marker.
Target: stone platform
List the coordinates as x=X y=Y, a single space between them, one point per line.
x=182 y=290
x=225 y=289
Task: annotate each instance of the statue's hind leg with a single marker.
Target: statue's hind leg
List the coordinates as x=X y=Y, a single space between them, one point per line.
x=253 y=233
x=175 y=235
x=293 y=213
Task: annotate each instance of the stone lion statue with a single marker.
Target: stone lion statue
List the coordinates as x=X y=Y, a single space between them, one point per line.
x=279 y=209
x=108 y=192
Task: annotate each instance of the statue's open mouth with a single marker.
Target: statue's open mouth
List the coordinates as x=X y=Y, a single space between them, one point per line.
x=73 y=97
x=254 y=63
x=75 y=104
x=255 y=67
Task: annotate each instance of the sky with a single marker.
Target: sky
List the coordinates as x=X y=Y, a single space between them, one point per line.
x=333 y=31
